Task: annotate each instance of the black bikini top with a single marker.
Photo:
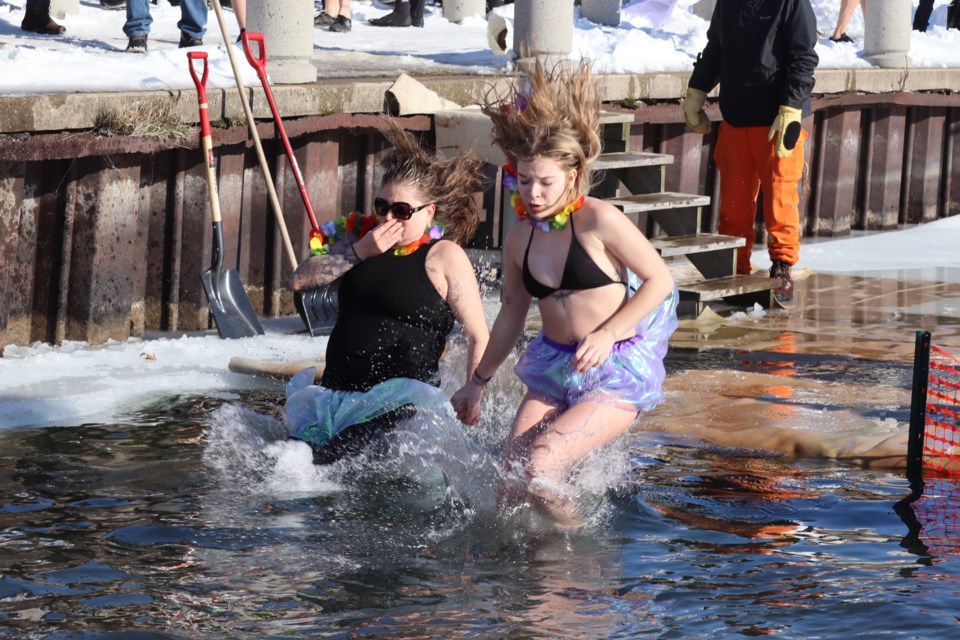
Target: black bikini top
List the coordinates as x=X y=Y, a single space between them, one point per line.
x=579 y=272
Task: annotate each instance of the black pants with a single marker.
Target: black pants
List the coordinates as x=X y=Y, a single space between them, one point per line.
x=921 y=19
x=356 y=438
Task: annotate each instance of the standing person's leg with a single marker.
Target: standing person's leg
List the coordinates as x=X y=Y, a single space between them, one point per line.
x=331 y=9
x=193 y=22
x=344 y=21
x=847 y=7
x=36 y=18
x=416 y=12
x=403 y=15
x=739 y=185
x=137 y=26
x=921 y=19
x=240 y=12
x=780 y=180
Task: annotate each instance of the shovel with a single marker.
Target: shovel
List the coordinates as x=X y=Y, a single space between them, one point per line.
x=317 y=307
x=259 y=63
x=229 y=303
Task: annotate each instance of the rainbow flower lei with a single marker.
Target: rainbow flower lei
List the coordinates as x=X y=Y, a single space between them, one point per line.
x=557 y=221
x=359 y=225
x=331 y=231
x=435 y=232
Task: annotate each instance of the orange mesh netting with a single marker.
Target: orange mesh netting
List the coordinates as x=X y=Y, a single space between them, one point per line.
x=937 y=518
x=941 y=443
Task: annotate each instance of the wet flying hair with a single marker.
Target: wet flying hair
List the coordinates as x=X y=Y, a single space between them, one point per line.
x=449 y=183
x=553 y=115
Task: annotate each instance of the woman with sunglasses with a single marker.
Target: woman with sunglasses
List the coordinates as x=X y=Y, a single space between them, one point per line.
x=405 y=281
x=607 y=300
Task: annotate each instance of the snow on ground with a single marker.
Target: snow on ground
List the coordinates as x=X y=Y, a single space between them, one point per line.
x=91 y=57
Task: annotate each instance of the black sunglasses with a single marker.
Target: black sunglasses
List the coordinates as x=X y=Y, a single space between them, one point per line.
x=400 y=210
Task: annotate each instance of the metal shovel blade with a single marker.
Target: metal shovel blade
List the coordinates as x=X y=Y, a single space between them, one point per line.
x=318 y=307
x=230 y=305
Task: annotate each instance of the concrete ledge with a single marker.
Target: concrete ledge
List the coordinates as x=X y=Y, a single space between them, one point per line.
x=78 y=111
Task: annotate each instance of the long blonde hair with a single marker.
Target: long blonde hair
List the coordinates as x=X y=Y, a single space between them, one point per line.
x=553 y=114
x=450 y=184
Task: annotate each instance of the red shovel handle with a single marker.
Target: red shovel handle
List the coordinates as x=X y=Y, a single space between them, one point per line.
x=201 y=82
x=260 y=61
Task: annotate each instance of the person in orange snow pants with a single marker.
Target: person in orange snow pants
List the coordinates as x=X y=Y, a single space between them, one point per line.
x=747 y=162
x=762 y=54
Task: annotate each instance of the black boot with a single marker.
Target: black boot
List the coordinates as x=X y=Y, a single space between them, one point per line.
x=781 y=271
x=416 y=12
x=37 y=19
x=399 y=17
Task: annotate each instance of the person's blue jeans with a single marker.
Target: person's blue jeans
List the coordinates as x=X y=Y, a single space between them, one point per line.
x=193 y=18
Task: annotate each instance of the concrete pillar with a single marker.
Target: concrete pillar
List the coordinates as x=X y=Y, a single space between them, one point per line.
x=60 y=8
x=704 y=9
x=601 y=11
x=543 y=27
x=457 y=10
x=287 y=28
x=886 y=40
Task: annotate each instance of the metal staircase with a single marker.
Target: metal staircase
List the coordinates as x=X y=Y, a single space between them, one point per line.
x=633 y=181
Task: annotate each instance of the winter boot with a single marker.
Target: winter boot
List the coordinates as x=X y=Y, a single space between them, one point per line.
x=781 y=271
x=416 y=12
x=37 y=19
x=399 y=17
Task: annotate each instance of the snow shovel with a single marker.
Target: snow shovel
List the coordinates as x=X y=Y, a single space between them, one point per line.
x=259 y=63
x=229 y=303
x=317 y=307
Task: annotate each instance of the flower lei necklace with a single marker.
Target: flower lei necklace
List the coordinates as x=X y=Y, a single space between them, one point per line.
x=435 y=232
x=329 y=232
x=359 y=225
x=557 y=221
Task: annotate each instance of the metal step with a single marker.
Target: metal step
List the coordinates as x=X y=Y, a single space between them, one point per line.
x=726 y=287
x=670 y=246
x=658 y=201
x=616 y=131
x=621 y=160
x=634 y=171
x=614 y=117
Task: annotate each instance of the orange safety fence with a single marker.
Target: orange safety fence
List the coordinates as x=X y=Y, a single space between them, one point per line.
x=934 y=438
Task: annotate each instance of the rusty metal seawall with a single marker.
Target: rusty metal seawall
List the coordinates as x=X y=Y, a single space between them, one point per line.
x=873 y=161
x=105 y=238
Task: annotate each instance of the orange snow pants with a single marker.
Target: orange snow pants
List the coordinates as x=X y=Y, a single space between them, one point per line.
x=747 y=163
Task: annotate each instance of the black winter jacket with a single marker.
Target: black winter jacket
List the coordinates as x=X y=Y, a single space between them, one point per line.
x=761 y=53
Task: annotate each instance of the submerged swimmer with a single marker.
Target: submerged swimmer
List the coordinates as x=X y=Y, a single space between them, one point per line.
x=598 y=361
x=405 y=281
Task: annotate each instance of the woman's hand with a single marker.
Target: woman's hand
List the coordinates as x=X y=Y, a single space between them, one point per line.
x=381 y=238
x=466 y=402
x=593 y=350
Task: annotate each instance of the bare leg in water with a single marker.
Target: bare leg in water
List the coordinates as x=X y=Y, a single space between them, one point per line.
x=548 y=443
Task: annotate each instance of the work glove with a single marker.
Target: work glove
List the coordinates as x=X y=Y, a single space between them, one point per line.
x=785 y=130
x=693 y=112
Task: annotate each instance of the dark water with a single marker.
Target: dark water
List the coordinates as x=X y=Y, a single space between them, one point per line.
x=196 y=519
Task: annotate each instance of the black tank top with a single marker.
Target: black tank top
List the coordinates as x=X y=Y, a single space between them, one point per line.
x=392 y=324
x=579 y=271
